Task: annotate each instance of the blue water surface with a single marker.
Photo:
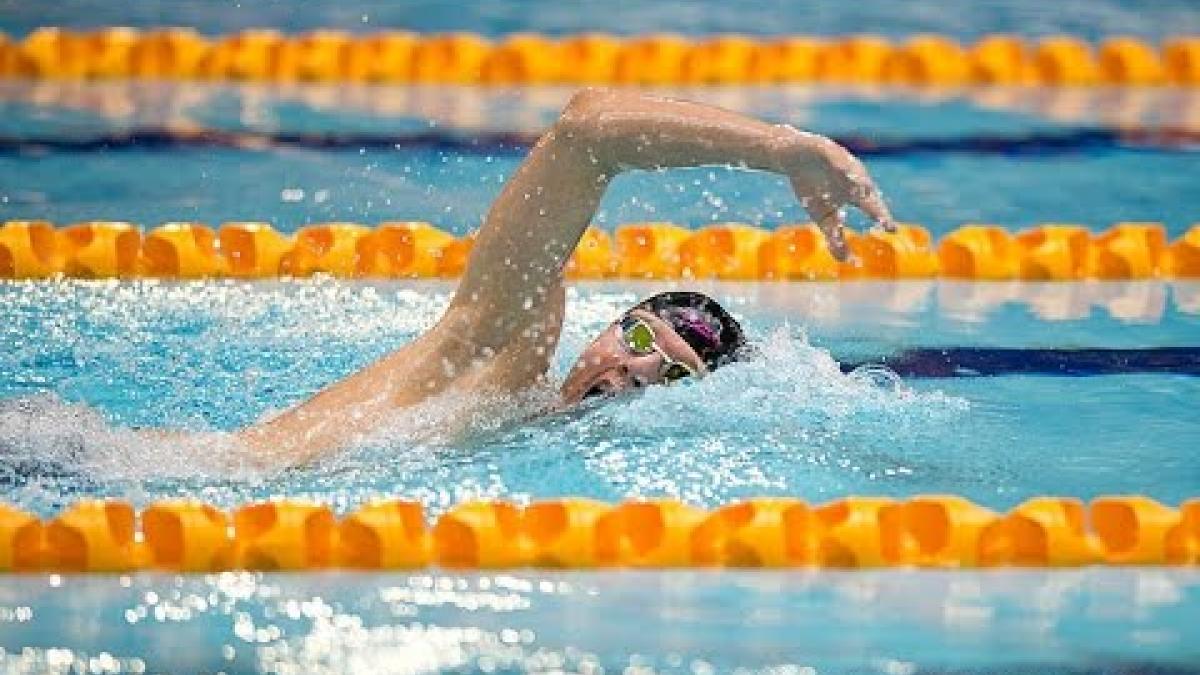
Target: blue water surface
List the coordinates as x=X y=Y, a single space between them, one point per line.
x=82 y=363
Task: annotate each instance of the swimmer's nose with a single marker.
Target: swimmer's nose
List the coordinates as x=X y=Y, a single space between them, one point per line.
x=630 y=378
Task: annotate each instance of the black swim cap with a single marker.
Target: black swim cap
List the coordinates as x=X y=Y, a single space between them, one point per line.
x=702 y=322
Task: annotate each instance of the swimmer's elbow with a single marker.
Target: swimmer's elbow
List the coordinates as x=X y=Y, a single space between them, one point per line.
x=582 y=113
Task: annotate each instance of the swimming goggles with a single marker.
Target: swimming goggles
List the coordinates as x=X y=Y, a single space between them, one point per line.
x=638 y=337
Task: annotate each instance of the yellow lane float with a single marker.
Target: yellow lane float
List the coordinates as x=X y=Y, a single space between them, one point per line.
x=653 y=59
x=32 y=249
x=938 y=531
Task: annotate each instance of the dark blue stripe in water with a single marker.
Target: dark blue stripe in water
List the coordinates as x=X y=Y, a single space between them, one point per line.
x=1040 y=143
x=977 y=362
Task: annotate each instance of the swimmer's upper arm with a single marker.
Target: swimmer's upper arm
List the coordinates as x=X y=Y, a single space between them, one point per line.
x=529 y=233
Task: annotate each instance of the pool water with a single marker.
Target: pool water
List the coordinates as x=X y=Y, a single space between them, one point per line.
x=82 y=362
x=99 y=357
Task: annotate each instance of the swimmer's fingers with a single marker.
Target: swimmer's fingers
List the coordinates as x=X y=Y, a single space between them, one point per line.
x=862 y=192
x=829 y=217
x=868 y=199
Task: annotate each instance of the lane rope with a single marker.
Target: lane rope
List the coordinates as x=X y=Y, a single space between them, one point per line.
x=726 y=251
x=652 y=60
x=944 y=531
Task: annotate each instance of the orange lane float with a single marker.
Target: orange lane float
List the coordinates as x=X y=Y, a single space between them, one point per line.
x=455 y=257
x=1183 y=540
x=331 y=248
x=723 y=59
x=1041 y=532
x=252 y=250
x=1128 y=251
x=796 y=252
x=979 y=252
x=934 y=531
x=859 y=58
x=726 y=251
x=1129 y=61
x=325 y=55
x=180 y=251
x=1001 y=60
x=401 y=250
x=52 y=53
x=850 y=535
x=381 y=57
x=248 y=55
x=92 y=536
x=785 y=60
x=384 y=535
x=651 y=60
x=109 y=52
x=171 y=53
x=1181 y=61
x=765 y=532
x=563 y=533
x=905 y=254
x=929 y=531
x=590 y=58
x=21 y=537
x=1132 y=530
x=186 y=536
x=1065 y=61
x=318 y=56
x=100 y=249
x=927 y=60
x=1054 y=252
x=480 y=535
x=29 y=250
x=522 y=59
x=283 y=536
x=653 y=533
x=649 y=250
x=454 y=58
x=1184 y=255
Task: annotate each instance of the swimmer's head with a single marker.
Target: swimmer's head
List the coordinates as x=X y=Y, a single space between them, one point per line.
x=663 y=338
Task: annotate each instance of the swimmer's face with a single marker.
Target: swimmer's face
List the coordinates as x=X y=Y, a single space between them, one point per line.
x=608 y=366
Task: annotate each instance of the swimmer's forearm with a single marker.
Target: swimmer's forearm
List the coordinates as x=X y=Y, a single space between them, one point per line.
x=623 y=130
x=626 y=130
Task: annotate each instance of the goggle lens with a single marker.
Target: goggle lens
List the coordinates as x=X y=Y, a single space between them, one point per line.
x=640 y=338
x=675 y=372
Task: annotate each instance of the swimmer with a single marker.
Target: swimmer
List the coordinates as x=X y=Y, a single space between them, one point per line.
x=502 y=326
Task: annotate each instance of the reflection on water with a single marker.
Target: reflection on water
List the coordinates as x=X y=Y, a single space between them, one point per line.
x=1090 y=620
x=358 y=107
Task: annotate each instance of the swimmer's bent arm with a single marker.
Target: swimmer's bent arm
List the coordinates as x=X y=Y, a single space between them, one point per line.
x=514 y=276
x=543 y=210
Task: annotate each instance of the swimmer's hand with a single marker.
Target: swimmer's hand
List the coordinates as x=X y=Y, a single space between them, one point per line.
x=826 y=179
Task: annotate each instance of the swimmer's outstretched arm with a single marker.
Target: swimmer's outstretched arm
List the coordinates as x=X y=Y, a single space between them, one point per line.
x=511 y=291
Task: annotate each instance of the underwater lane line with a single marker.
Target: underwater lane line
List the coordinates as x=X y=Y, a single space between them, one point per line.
x=493 y=142
x=990 y=362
